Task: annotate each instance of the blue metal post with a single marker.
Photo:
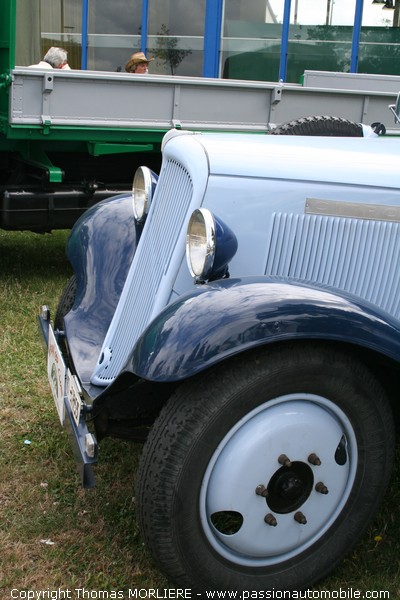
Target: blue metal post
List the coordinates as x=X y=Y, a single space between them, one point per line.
x=285 y=41
x=356 y=36
x=145 y=25
x=212 y=38
x=84 y=42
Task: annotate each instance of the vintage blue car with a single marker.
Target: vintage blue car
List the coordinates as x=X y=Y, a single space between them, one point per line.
x=241 y=312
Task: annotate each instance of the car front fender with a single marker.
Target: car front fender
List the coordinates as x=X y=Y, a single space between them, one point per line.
x=227 y=317
x=100 y=248
x=104 y=238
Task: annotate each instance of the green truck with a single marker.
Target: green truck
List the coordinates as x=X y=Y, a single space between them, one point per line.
x=71 y=138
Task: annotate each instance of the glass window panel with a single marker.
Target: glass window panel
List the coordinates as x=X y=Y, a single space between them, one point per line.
x=61 y=25
x=321 y=12
x=111 y=52
x=117 y=17
x=114 y=33
x=320 y=36
x=176 y=36
x=27 y=39
x=379 y=50
x=251 y=41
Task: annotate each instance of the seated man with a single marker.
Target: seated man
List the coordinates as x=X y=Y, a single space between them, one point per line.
x=55 y=58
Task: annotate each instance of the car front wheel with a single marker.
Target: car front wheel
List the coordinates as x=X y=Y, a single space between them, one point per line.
x=264 y=473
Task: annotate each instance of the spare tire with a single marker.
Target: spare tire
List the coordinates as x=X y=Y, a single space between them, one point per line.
x=320 y=125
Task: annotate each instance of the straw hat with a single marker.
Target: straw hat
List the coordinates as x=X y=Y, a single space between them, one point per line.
x=135 y=59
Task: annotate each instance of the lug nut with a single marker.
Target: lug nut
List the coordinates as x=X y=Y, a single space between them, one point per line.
x=321 y=488
x=314 y=460
x=261 y=490
x=284 y=460
x=270 y=520
x=300 y=518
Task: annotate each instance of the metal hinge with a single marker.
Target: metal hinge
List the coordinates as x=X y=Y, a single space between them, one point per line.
x=46 y=122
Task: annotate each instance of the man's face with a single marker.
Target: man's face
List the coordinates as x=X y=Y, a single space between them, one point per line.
x=141 y=68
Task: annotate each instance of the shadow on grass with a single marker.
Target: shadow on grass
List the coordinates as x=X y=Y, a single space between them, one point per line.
x=26 y=254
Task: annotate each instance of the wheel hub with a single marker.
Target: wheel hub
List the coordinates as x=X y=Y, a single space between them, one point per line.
x=289 y=487
x=275 y=484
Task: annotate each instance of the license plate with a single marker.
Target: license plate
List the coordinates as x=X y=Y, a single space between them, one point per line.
x=74 y=396
x=56 y=372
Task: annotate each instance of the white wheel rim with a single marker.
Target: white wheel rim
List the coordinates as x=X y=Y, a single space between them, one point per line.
x=296 y=425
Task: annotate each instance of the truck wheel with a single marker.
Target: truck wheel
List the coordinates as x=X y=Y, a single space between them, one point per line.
x=66 y=302
x=320 y=126
x=264 y=473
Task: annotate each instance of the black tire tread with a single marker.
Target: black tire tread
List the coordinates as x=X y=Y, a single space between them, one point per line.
x=66 y=302
x=320 y=126
x=181 y=422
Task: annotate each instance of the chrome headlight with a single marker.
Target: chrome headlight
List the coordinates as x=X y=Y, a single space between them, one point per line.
x=210 y=245
x=200 y=243
x=144 y=184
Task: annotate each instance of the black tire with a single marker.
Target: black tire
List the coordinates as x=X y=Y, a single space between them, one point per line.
x=304 y=399
x=320 y=126
x=66 y=302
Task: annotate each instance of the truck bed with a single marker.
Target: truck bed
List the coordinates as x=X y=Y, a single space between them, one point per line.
x=90 y=99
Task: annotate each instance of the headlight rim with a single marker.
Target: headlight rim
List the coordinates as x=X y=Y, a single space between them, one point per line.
x=147 y=190
x=210 y=245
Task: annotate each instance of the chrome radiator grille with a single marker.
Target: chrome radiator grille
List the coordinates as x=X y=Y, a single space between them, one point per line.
x=359 y=256
x=153 y=270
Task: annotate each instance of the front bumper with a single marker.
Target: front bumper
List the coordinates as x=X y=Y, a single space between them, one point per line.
x=71 y=410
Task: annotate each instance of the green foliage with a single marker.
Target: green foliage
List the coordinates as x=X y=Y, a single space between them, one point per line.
x=166 y=49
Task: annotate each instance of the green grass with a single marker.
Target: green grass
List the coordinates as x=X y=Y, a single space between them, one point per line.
x=95 y=540
x=96 y=543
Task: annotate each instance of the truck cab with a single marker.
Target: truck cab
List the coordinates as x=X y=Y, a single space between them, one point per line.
x=239 y=311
